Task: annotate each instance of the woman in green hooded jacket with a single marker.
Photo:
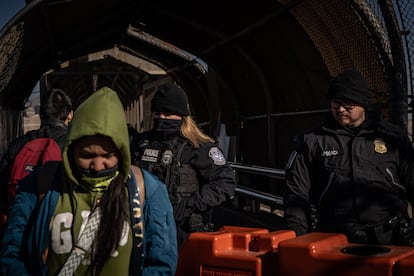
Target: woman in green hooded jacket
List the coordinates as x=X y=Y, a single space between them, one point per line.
x=93 y=197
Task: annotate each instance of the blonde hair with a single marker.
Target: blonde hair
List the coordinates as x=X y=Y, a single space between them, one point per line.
x=190 y=130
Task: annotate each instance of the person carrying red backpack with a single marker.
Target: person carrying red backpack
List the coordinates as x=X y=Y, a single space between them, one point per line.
x=56 y=112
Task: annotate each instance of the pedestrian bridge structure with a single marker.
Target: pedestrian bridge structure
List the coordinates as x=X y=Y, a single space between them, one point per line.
x=256 y=73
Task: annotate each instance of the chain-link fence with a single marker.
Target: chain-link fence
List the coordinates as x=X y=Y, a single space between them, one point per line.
x=404 y=12
x=374 y=36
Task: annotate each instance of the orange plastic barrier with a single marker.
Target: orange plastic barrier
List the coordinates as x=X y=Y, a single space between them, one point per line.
x=231 y=251
x=405 y=267
x=331 y=254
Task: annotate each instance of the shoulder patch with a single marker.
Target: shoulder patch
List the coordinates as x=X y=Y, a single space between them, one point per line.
x=217 y=156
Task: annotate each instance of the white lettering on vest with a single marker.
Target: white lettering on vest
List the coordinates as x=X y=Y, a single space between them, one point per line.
x=150 y=155
x=327 y=153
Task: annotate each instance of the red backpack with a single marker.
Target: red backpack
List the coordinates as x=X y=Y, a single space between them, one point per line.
x=33 y=154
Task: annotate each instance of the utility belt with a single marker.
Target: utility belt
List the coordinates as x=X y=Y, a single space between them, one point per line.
x=403 y=233
x=395 y=230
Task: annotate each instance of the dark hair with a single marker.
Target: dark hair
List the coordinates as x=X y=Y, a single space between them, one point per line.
x=114 y=214
x=55 y=104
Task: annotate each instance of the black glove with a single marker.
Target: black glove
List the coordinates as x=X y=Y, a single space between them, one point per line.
x=406 y=232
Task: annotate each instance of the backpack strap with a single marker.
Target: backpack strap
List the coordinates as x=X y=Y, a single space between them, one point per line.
x=83 y=245
x=136 y=204
x=45 y=177
x=140 y=182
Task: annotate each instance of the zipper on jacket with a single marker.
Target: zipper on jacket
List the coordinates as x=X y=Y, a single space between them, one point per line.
x=330 y=181
x=393 y=181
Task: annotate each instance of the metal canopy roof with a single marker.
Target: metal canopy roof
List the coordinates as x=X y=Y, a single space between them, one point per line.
x=268 y=62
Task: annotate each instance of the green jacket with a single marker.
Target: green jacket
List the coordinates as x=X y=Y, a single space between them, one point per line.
x=102 y=113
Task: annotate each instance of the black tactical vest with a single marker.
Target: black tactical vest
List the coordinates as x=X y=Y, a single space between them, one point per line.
x=164 y=160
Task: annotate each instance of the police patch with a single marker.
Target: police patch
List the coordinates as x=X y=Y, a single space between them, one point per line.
x=150 y=155
x=217 y=156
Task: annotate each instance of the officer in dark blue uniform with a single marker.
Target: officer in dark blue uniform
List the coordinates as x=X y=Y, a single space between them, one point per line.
x=188 y=161
x=355 y=170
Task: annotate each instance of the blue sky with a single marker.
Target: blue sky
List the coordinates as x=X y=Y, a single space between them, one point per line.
x=8 y=8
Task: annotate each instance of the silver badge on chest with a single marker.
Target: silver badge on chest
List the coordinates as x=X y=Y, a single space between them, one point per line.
x=167 y=157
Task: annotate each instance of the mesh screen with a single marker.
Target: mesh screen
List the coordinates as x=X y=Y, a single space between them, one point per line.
x=10 y=50
x=343 y=40
x=405 y=14
x=352 y=33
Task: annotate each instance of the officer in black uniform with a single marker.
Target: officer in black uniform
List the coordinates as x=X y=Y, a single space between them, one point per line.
x=189 y=162
x=356 y=171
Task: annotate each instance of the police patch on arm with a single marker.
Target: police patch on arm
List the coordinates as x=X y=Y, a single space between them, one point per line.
x=217 y=156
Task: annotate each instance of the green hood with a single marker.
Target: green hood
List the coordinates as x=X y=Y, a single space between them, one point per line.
x=101 y=113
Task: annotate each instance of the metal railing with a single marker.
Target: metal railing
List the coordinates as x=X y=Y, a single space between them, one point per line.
x=256 y=194
x=271 y=172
